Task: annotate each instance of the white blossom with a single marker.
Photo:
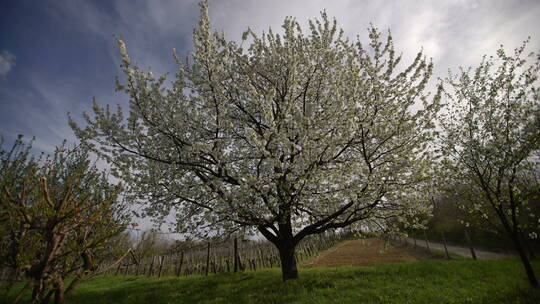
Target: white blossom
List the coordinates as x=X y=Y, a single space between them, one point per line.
x=293 y=135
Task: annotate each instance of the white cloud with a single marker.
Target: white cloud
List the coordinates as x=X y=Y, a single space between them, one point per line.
x=7 y=61
x=453 y=33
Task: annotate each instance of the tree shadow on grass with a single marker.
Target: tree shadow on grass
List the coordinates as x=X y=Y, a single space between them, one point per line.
x=425 y=282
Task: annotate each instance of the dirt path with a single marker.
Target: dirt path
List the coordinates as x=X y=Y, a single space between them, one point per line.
x=367 y=252
x=464 y=251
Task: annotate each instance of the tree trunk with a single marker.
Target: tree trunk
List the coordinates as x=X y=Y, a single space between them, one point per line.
x=527 y=245
x=471 y=248
x=524 y=259
x=38 y=292
x=78 y=279
x=59 y=293
x=288 y=261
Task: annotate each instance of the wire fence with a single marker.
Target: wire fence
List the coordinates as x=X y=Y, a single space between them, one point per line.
x=437 y=242
x=222 y=257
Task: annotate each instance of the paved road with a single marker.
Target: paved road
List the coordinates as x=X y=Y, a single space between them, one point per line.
x=464 y=251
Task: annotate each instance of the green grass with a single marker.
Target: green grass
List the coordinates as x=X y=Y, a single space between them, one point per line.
x=442 y=254
x=463 y=281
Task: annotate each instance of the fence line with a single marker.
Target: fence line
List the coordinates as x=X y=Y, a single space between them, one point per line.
x=415 y=239
x=222 y=257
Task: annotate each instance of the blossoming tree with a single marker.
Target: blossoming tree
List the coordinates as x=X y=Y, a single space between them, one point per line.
x=56 y=215
x=293 y=135
x=491 y=134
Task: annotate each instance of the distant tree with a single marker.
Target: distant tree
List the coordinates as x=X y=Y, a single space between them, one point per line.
x=491 y=132
x=447 y=214
x=292 y=135
x=56 y=215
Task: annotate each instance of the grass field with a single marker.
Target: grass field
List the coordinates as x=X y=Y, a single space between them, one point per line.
x=463 y=281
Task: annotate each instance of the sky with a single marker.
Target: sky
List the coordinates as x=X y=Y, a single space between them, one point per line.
x=56 y=56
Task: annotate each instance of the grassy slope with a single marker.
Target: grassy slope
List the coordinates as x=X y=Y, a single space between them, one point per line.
x=464 y=281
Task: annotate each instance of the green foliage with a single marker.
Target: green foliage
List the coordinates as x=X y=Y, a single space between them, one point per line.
x=490 y=138
x=57 y=213
x=490 y=143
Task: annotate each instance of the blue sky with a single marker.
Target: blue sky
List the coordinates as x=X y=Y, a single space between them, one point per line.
x=55 y=56
x=58 y=55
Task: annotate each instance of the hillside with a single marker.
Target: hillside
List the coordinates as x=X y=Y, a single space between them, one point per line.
x=465 y=281
x=382 y=273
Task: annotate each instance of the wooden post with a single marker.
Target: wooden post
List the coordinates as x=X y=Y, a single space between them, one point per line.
x=470 y=245
x=161 y=265
x=207 y=260
x=427 y=243
x=181 y=262
x=261 y=259
x=235 y=255
x=444 y=243
x=151 y=266
x=241 y=266
x=118 y=268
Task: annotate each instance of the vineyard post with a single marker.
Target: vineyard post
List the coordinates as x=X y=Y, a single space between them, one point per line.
x=241 y=266
x=470 y=244
x=207 y=260
x=235 y=255
x=261 y=259
x=445 y=247
x=181 y=262
x=151 y=266
x=161 y=265
x=426 y=238
x=118 y=269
